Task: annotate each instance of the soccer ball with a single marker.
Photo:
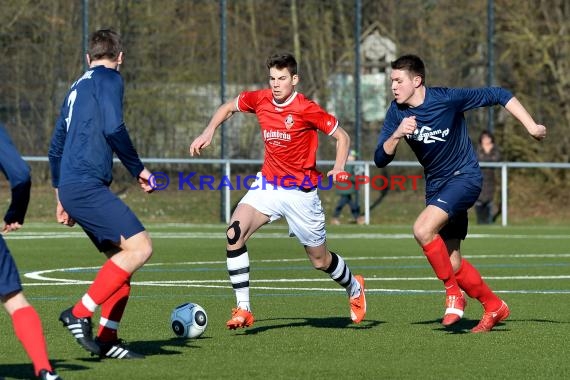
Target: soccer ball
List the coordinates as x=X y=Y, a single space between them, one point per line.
x=188 y=320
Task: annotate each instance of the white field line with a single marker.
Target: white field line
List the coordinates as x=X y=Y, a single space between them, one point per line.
x=38 y=275
x=296 y=289
x=257 y=284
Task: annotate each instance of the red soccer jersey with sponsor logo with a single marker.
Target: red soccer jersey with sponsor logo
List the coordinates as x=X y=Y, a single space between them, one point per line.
x=289 y=131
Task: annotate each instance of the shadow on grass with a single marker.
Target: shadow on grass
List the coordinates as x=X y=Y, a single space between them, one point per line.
x=465 y=325
x=26 y=370
x=462 y=327
x=162 y=347
x=329 y=323
x=147 y=348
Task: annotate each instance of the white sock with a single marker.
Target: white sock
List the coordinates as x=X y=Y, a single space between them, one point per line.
x=238 y=269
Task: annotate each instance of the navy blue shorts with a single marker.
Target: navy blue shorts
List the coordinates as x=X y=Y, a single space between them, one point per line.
x=9 y=276
x=455 y=197
x=101 y=214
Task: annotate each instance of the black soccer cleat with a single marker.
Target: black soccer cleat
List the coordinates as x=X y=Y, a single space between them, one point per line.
x=47 y=375
x=80 y=328
x=116 y=350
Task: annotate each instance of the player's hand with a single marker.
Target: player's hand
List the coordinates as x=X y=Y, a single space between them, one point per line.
x=63 y=217
x=406 y=127
x=200 y=143
x=338 y=175
x=145 y=181
x=9 y=227
x=539 y=132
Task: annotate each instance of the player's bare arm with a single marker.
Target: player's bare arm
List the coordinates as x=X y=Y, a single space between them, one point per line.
x=223 y=113
x=342 y=147
x=406 y=127
x=537 y=131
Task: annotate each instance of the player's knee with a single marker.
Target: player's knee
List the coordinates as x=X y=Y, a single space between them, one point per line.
x=14 y=301
x=146 y=252
x=143 y=251
x=321 y=260
x=422 y=234
x=233 y=233
x=320 y=265
x=456 y=260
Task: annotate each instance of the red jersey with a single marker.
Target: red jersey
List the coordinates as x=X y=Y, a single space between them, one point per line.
x=289 y=132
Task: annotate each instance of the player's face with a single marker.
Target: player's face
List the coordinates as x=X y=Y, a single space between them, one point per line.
x=404 y=86
x=282 y=83
x=486 y=143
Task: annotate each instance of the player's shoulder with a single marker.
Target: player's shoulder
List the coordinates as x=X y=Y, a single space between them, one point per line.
x=264 y=92
x=257 y=94
x=253 y=99
x=5 y=142
x=459 y=92
x=306 y=103
x=446 y=95
x=108 y=81
x=439 y=92
x=105 y=74
x=303 y=99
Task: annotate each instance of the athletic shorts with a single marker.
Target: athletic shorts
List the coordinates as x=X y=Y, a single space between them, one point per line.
x=301 y=208
x=9 y=276
x=455 y=197
x=103 y=216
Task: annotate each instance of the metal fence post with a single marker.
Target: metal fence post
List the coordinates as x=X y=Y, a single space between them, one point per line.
x=367 y=194
x=504 y=192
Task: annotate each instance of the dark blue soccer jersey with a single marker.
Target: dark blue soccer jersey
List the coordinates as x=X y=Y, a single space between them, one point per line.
x=89 y=129
x=441 y=142
x=17 y=172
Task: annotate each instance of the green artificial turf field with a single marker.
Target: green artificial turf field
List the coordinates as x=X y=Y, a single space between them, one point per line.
x=303 y=329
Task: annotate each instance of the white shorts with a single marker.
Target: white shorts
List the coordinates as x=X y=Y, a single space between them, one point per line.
x=302 y=210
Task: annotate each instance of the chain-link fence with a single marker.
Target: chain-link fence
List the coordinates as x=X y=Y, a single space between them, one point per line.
x=180 y=54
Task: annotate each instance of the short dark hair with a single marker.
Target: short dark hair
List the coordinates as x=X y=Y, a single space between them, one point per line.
x=104 y=43
x=411 y=63
x=282 y=61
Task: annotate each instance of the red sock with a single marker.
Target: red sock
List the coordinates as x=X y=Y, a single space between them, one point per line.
x=28 y=329
x=110 y=278
x=470 y=280
x=112 y=312
x=436 y=253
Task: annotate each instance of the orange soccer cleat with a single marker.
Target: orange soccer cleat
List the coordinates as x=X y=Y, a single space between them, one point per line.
x=491 y=318
x=454 y=306
x=240 y=318
x=358 y=304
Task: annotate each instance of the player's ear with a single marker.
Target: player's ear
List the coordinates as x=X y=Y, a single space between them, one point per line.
x=417 y=81
x=120 y=58
x=295 y=79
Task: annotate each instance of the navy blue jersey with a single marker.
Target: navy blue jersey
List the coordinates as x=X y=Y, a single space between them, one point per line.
x=89 y=129
x=441 y=142
x=17 y=172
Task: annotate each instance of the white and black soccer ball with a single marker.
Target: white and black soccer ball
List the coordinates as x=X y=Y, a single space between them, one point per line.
x=189 y=320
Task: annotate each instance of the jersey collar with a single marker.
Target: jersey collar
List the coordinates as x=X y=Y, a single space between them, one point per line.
x=286 y=102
